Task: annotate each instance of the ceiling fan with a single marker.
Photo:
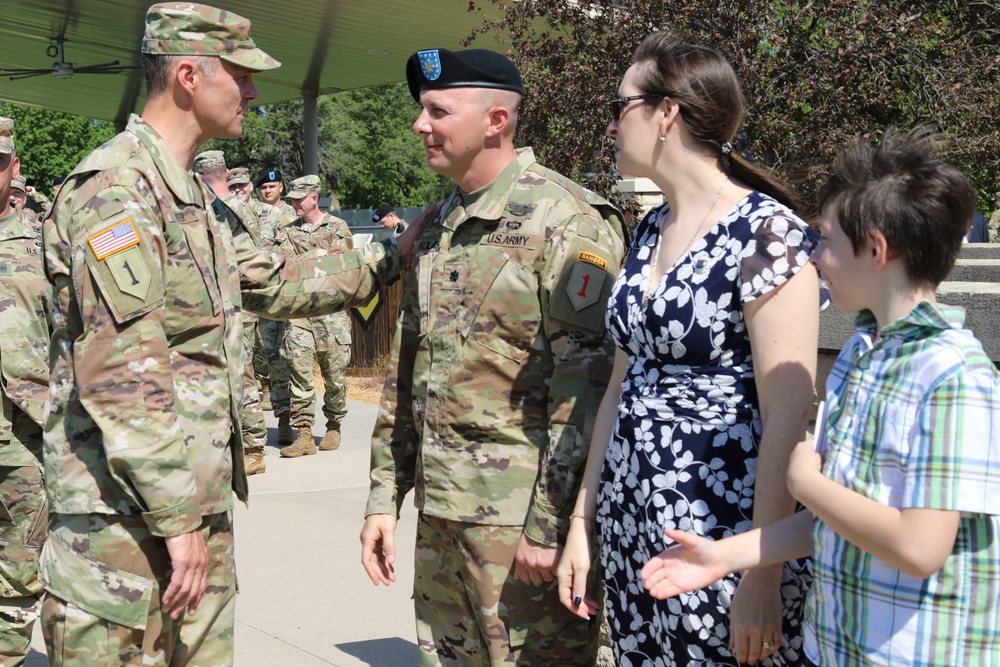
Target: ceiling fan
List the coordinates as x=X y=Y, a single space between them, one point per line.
x=62 y=69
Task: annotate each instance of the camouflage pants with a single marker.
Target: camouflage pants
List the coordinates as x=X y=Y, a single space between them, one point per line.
x=472 y=611
x=272 y=336
x=254 y=430
x=325 y=343
x=23 y=519
x=103 y=577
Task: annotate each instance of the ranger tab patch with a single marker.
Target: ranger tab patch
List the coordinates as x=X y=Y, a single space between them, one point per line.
x=596 y=260
x=118 y=238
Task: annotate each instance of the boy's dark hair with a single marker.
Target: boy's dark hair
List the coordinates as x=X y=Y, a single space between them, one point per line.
x=921 y=204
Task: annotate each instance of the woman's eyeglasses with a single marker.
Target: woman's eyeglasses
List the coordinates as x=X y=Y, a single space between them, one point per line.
x=618 y=104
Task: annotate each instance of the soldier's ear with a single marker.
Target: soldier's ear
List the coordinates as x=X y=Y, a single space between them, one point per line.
x=185 y=75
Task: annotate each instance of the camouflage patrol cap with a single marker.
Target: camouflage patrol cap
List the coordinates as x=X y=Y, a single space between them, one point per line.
x=209 y=160
x=471 y=68
x=17 y=184
x=185 y=28
x=6 y=135
x=238 y=176
x=303 y=187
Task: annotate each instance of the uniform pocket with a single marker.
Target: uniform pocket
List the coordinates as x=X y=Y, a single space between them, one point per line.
x=502 y=310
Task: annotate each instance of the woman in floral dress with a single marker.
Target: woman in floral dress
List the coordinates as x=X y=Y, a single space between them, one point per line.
x=715 y=314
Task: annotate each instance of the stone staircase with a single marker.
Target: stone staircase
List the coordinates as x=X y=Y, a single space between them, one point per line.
x=974 y=284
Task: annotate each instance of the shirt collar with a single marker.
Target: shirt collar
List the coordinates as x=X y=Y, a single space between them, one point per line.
x=15 y=226
x=179 y=180
x=918 y=323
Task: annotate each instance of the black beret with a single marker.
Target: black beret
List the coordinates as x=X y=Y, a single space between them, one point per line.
x=268 y=176
x=381 y=212
x=472 y=68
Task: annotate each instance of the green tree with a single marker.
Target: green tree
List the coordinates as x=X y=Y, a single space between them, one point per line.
x=815 y=74
x=51 y=143
x=368 y=154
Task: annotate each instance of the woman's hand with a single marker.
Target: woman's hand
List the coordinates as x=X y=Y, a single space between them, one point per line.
x=574 y=566
x=755 y=615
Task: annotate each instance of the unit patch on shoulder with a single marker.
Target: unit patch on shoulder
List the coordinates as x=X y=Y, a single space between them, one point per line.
x=585 y=283
x=118 y=238
x=591 y=258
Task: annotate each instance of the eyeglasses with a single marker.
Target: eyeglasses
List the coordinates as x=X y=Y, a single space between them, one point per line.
x=618 y=104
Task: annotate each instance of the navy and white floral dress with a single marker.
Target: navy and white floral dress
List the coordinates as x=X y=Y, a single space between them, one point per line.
x=684 y=450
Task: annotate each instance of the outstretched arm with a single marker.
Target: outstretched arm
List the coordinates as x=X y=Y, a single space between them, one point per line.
x=695 y=562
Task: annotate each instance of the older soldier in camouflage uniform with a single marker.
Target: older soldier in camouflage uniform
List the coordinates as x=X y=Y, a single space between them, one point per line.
x=274 y=379
x=18 y=197
x=212 y=164
x=143 y=443
x=24 y=340
x=326 y=339
x=499 y=362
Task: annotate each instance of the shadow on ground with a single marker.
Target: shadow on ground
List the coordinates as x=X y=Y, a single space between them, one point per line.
x=385 y=652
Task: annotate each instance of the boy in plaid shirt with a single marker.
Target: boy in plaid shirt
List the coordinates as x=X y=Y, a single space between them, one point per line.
x=902 y=485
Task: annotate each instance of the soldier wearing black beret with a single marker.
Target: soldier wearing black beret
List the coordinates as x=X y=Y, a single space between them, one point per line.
x=500 y=355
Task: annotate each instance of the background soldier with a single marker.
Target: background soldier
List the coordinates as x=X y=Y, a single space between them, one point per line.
x=24 y=340
x=149 y=275
x=212 y=165
x=18 y=197
x=386 y=216
x=499 y=361
x=325 y=339
x=274 y=379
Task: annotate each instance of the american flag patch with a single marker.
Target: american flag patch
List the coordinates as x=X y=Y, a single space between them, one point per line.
x=112 y=240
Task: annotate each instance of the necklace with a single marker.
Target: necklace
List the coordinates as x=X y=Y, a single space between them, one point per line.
x=656 y=253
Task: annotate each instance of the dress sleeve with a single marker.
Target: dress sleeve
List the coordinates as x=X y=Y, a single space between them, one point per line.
x=779 y=246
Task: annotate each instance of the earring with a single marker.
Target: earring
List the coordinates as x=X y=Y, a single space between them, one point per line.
x=663 y=138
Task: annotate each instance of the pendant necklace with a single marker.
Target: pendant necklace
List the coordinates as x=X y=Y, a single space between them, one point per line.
x=659 y=237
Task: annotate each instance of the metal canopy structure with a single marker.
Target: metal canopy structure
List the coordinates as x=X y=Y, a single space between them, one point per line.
x=325 y=46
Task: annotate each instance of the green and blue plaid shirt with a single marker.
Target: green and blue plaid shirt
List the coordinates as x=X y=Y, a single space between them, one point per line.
x=913 y=420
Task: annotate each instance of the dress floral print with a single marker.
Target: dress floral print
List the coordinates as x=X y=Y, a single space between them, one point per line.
x=684 y=449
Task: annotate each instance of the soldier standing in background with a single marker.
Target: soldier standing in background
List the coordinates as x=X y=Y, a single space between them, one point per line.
x=499 y=362
x=24 y=344
x=149 y=273
x=273 y=373
x=325 y=339
x=212 y=164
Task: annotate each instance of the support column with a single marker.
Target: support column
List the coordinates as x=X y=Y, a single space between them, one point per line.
x=310 y=125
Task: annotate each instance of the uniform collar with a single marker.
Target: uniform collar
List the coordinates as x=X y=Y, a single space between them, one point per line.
x=489 y=202
x=178 y=179
x=15 y=226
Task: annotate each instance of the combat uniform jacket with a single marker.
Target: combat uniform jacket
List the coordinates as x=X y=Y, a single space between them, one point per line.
x=147 y=360
x=298 y=238
x=500 y=357
x=24 y=340
x=283 y=213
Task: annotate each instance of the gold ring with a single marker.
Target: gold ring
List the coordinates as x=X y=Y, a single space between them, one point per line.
x=767 y=645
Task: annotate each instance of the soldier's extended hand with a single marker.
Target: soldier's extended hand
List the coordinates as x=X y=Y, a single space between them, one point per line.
x=378 y=548
x=189 y=573
x=535 y=563
x=415 y=229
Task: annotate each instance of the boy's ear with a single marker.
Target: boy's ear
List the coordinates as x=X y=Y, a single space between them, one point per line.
x=879 y=250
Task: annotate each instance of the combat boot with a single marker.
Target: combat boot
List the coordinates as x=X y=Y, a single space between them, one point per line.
x=285 y=434
x=253 y=460
x=303 y=445
x=331 y=440
x=265 y=401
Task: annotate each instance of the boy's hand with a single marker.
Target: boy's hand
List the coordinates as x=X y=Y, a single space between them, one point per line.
x=690 y=565
x=804 y=462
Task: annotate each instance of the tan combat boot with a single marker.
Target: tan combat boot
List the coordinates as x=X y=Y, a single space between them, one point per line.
x=265 y=401
x=331 y=440
x=253 y=460
x=303 y=445
x=285 y=434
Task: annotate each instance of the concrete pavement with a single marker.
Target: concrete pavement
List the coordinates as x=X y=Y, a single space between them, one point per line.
x=304 y=599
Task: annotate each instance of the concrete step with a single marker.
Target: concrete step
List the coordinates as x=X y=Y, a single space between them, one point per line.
x=976 y=270
x=980 y=251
